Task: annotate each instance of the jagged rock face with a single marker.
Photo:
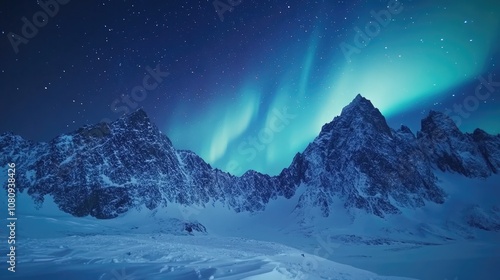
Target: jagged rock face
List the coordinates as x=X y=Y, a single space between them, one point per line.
x=359 y=158
x=485 y=219
x=473 y=155
x=194 y=227
x=489 y=146
x=106 y=169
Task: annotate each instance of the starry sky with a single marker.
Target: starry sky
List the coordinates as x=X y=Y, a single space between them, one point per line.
x=245 y=84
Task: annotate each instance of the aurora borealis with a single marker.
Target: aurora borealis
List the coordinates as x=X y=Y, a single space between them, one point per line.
x=251 y=91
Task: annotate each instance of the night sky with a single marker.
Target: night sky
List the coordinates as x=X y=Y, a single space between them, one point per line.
x=245 y=88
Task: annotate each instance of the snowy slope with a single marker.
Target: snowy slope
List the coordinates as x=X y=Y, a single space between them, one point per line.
x=136 y=242
x=149 y=244
x=163 y=256
x=146 y=245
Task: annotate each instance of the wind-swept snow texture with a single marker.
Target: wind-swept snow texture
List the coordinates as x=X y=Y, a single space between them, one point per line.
x=165 y=256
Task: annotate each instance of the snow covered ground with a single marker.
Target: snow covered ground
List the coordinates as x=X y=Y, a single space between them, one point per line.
x=166 y=256
x=145 y=245
x=276 y=244
x=64 y=247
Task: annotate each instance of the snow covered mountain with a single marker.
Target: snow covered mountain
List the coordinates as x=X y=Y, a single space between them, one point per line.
x=472 y=155
x=104 y=170
x=370 y=166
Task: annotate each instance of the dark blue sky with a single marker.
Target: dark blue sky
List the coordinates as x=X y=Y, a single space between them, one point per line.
x=250 y=91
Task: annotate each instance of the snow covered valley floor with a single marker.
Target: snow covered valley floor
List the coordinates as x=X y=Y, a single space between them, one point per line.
x=427 y=243
x=166 y=256
x=64 y=247
x=144 y=245
x=79 y=254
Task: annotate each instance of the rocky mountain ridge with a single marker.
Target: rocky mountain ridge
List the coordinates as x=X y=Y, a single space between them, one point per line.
x=105 y=169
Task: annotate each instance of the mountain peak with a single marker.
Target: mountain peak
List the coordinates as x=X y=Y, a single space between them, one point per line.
x=438 y=122
x=473 y=155
x=109 y=168
x=139 y=114
x=359 y=97
x=137 y=118
x=361 y=110
x=359 y=103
